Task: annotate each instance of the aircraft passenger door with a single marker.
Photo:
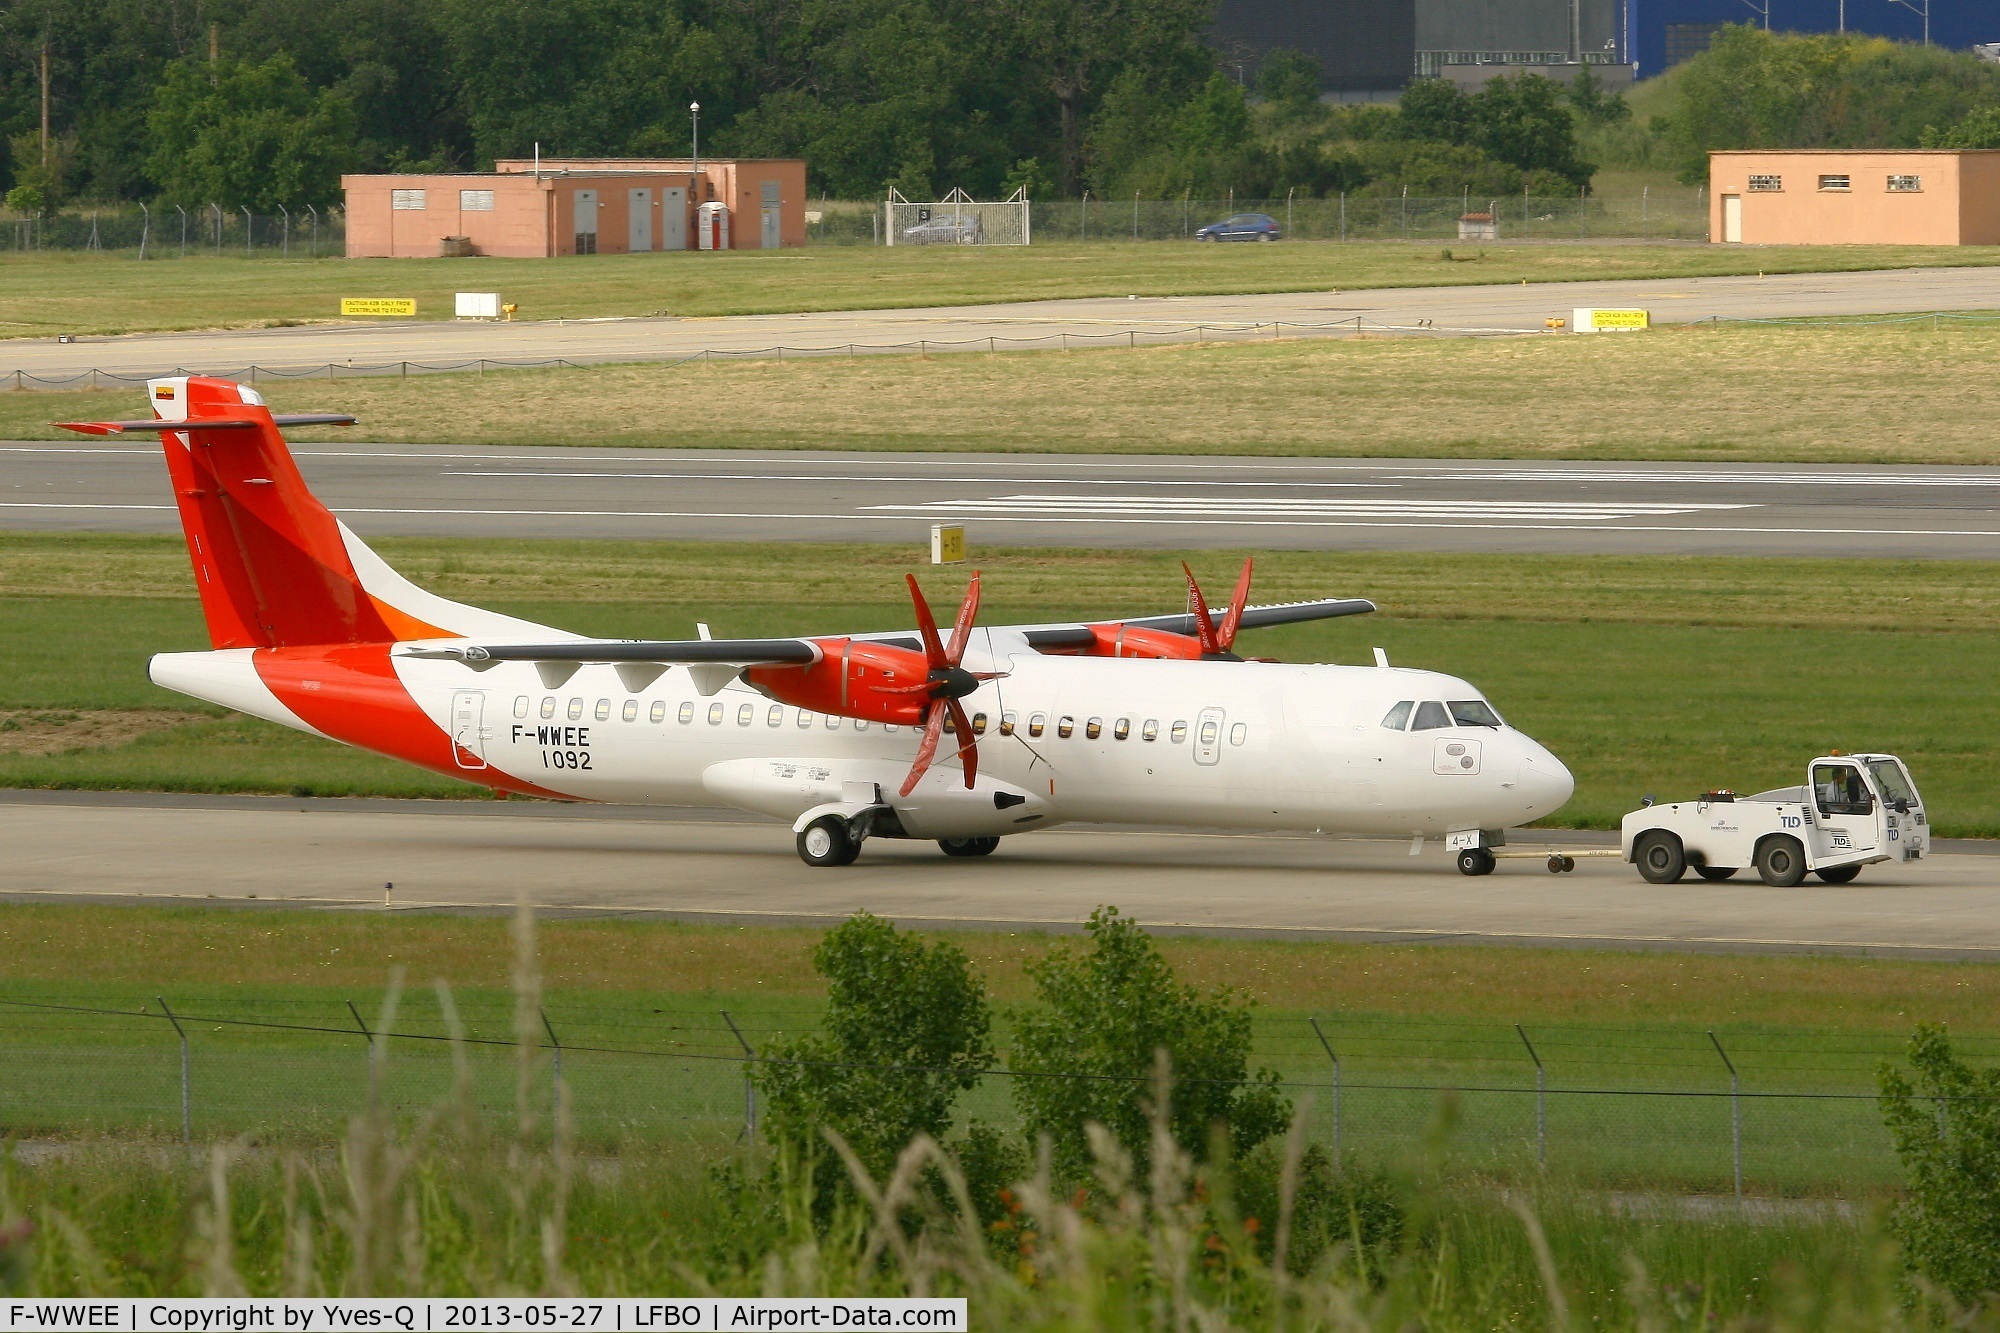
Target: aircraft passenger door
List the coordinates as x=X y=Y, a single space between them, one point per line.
x=673 y=219
x=772 y=211
x=468 y=728
x=1208 y=736
x=1732 y=218
x=640 y=228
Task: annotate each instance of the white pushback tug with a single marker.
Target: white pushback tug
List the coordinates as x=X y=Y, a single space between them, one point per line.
x=1853 y=811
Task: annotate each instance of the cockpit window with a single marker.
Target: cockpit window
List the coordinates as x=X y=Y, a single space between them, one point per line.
x=1474 y=713
x=1430 y=716
x=1399 y=716
x=1895 y=784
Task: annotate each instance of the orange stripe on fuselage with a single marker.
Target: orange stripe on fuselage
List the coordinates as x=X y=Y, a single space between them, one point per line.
x=352 y=693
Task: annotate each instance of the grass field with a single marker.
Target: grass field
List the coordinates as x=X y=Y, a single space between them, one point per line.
x=1646 y=674
x=81 y=293
x=648 y=1055
x=1886 y=393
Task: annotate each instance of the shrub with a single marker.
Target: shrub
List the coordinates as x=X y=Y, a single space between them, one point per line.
x=1946 y=1126
x=1333 y=1203
x=1105 y=1014
x=907 y=1029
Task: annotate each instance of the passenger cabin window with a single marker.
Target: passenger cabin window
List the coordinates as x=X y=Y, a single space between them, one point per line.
x=521 y=706
x=1151 y=731
x=1037 y=723
x=805 y=719
x=833 y=722
x=1238 y=734
x=1064 y=726
x=1007 y=724
x=715 y=711
x=1093 y=728
x=1179 y=732
x=575 y=710
x=630 y=712
x=1208 y=731
x=1840 y=790
x=776 y=717
x=979 y=724
x=746 y=714
x=603 y=710
x=1122 y=729
x=861 y=724
x=1399 y=716
x=1430 y=716
x=1474 y=713
x=549 y=706
x=658 y=712
x=687 y=712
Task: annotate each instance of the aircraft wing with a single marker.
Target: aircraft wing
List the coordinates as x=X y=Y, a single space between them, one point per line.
x=671 y=652
x=1058 y=637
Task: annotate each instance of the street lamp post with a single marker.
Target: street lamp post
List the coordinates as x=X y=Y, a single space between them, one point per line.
x=694 y=132
x=1924 y=13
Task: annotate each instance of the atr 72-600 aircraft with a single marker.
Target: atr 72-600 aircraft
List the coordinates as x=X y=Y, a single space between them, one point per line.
x=1145 y=721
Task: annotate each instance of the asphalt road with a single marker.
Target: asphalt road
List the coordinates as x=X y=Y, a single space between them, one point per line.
x=700 y=865
x=1469 y=309
x=119 y=485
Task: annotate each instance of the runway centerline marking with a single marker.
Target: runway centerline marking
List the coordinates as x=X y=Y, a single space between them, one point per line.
x=1171 y=507
x=1713 y=478
x=907 y=480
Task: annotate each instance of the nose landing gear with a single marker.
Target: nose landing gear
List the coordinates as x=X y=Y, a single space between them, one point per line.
x=1476 y=861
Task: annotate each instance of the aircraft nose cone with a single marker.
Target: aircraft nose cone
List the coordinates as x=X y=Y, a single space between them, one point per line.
x=1545 y=784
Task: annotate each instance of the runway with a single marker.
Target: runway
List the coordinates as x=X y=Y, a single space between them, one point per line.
x=1021 y=324
x=718 y=867
x=120 y=485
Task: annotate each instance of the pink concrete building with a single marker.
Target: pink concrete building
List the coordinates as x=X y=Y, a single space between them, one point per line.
x=568 y=206
x=1855 y=197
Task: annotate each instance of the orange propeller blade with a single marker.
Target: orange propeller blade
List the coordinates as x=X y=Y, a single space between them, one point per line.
x=962 y=630
x=1226 y=636
x=968 y=744
x=926 y=624
x=1204 y=627
x=933 y=728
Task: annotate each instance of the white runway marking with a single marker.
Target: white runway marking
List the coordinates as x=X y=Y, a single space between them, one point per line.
x=1175 y=507
x=1643 y=475
x=905 y=479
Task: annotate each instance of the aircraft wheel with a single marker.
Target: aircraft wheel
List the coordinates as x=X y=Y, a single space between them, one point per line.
x=1781 y=862
x=1560 y=864
x=1660 y=858
x=968 y=846
x=1838 y=874
x=1476 y=861
x=1716 y=874
x=826 y=842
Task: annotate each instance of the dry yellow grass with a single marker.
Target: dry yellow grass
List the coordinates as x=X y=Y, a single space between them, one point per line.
x=252 y=950
x=1891 y=393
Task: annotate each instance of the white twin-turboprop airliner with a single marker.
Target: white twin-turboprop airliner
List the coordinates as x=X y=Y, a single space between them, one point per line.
x=963 y=736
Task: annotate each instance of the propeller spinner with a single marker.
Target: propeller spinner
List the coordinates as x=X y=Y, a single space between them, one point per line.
x=944 y=684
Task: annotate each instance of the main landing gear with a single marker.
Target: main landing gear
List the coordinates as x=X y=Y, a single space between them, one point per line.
x=835 y=840
x=968 y=846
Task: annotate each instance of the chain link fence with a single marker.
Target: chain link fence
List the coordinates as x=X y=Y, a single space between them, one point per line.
x=172 y=232
x=1614 y=1108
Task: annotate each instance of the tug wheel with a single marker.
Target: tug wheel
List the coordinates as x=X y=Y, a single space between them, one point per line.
x=1660 y=858
x=1781 y=862
x=1838 y=874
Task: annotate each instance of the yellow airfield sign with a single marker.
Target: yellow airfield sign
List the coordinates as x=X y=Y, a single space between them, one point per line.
x=378 y=305
x=947 y=544
x=1605 y=321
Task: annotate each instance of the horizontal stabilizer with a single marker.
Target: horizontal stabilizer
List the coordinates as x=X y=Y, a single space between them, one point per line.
x=205 y=423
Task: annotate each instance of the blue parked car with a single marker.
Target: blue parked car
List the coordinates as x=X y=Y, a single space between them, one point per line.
x=1242 y=227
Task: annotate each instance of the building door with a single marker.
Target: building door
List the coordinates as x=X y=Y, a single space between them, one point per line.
x=1208 y=736
x=673 y=220
x=468 y=728
x=586 y=222
x=773 y=210
x=639 y=233
x=1732 y=218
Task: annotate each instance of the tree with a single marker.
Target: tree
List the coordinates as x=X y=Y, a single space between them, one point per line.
x=1980 y=129
x=907 y=1029
x=247 y=136
x=1586 y=95
x=1523 y=122
x=1289 y=80
x=1088 y=1052
x=1435 y=111
x=1946 y=1126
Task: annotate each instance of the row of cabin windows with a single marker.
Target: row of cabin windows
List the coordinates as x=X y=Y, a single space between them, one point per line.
x=774 y=716
x=1432 y=715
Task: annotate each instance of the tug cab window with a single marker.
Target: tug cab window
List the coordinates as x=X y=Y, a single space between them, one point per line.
x=1474 y=713
x=1430 y=717
x=1894 y=782
x=1840 y=790
x=1399 y=717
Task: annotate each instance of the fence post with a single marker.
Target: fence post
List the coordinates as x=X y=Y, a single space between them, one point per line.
x=1083 y=219
x=1343 y=215
x=555 y=1080
x=145 y=230
x=374 y=1066
x=1135 y=215
x=184 y=229
x=1541 y=1100
x=1643 y=191
x=286 y=251
x=749 y=1088
x=314 y=253
x=1735 y=1115
x=187 y=1097
x=1406 y=212
x=249 y=231
x=1289 y=189
x=1328 y=1047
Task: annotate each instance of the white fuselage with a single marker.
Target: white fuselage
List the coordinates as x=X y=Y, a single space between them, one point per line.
x=1244 y=745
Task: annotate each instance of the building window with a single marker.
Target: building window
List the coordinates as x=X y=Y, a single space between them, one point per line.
x=1766 y=184
x=475 y=201
x=406 y=198
x=630 y=712
x=658 y=712
x=1906 y=184
x=1836 y=183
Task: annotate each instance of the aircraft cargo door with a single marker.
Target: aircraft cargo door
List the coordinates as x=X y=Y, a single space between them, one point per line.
x=1208 y=736
x=468 y=728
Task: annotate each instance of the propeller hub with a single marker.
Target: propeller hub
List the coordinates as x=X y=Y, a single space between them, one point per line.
x=951 y=682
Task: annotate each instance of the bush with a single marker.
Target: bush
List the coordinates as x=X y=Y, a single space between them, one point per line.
x=1333 y=1203
x=1946 y=1126
x=907 y=1029
x=1105 y=1014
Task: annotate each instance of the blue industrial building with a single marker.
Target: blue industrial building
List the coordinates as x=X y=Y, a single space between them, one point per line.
x=1662 y=33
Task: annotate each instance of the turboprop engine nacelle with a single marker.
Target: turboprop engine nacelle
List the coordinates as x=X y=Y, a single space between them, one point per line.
x=940 y=807
x=875 y=682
